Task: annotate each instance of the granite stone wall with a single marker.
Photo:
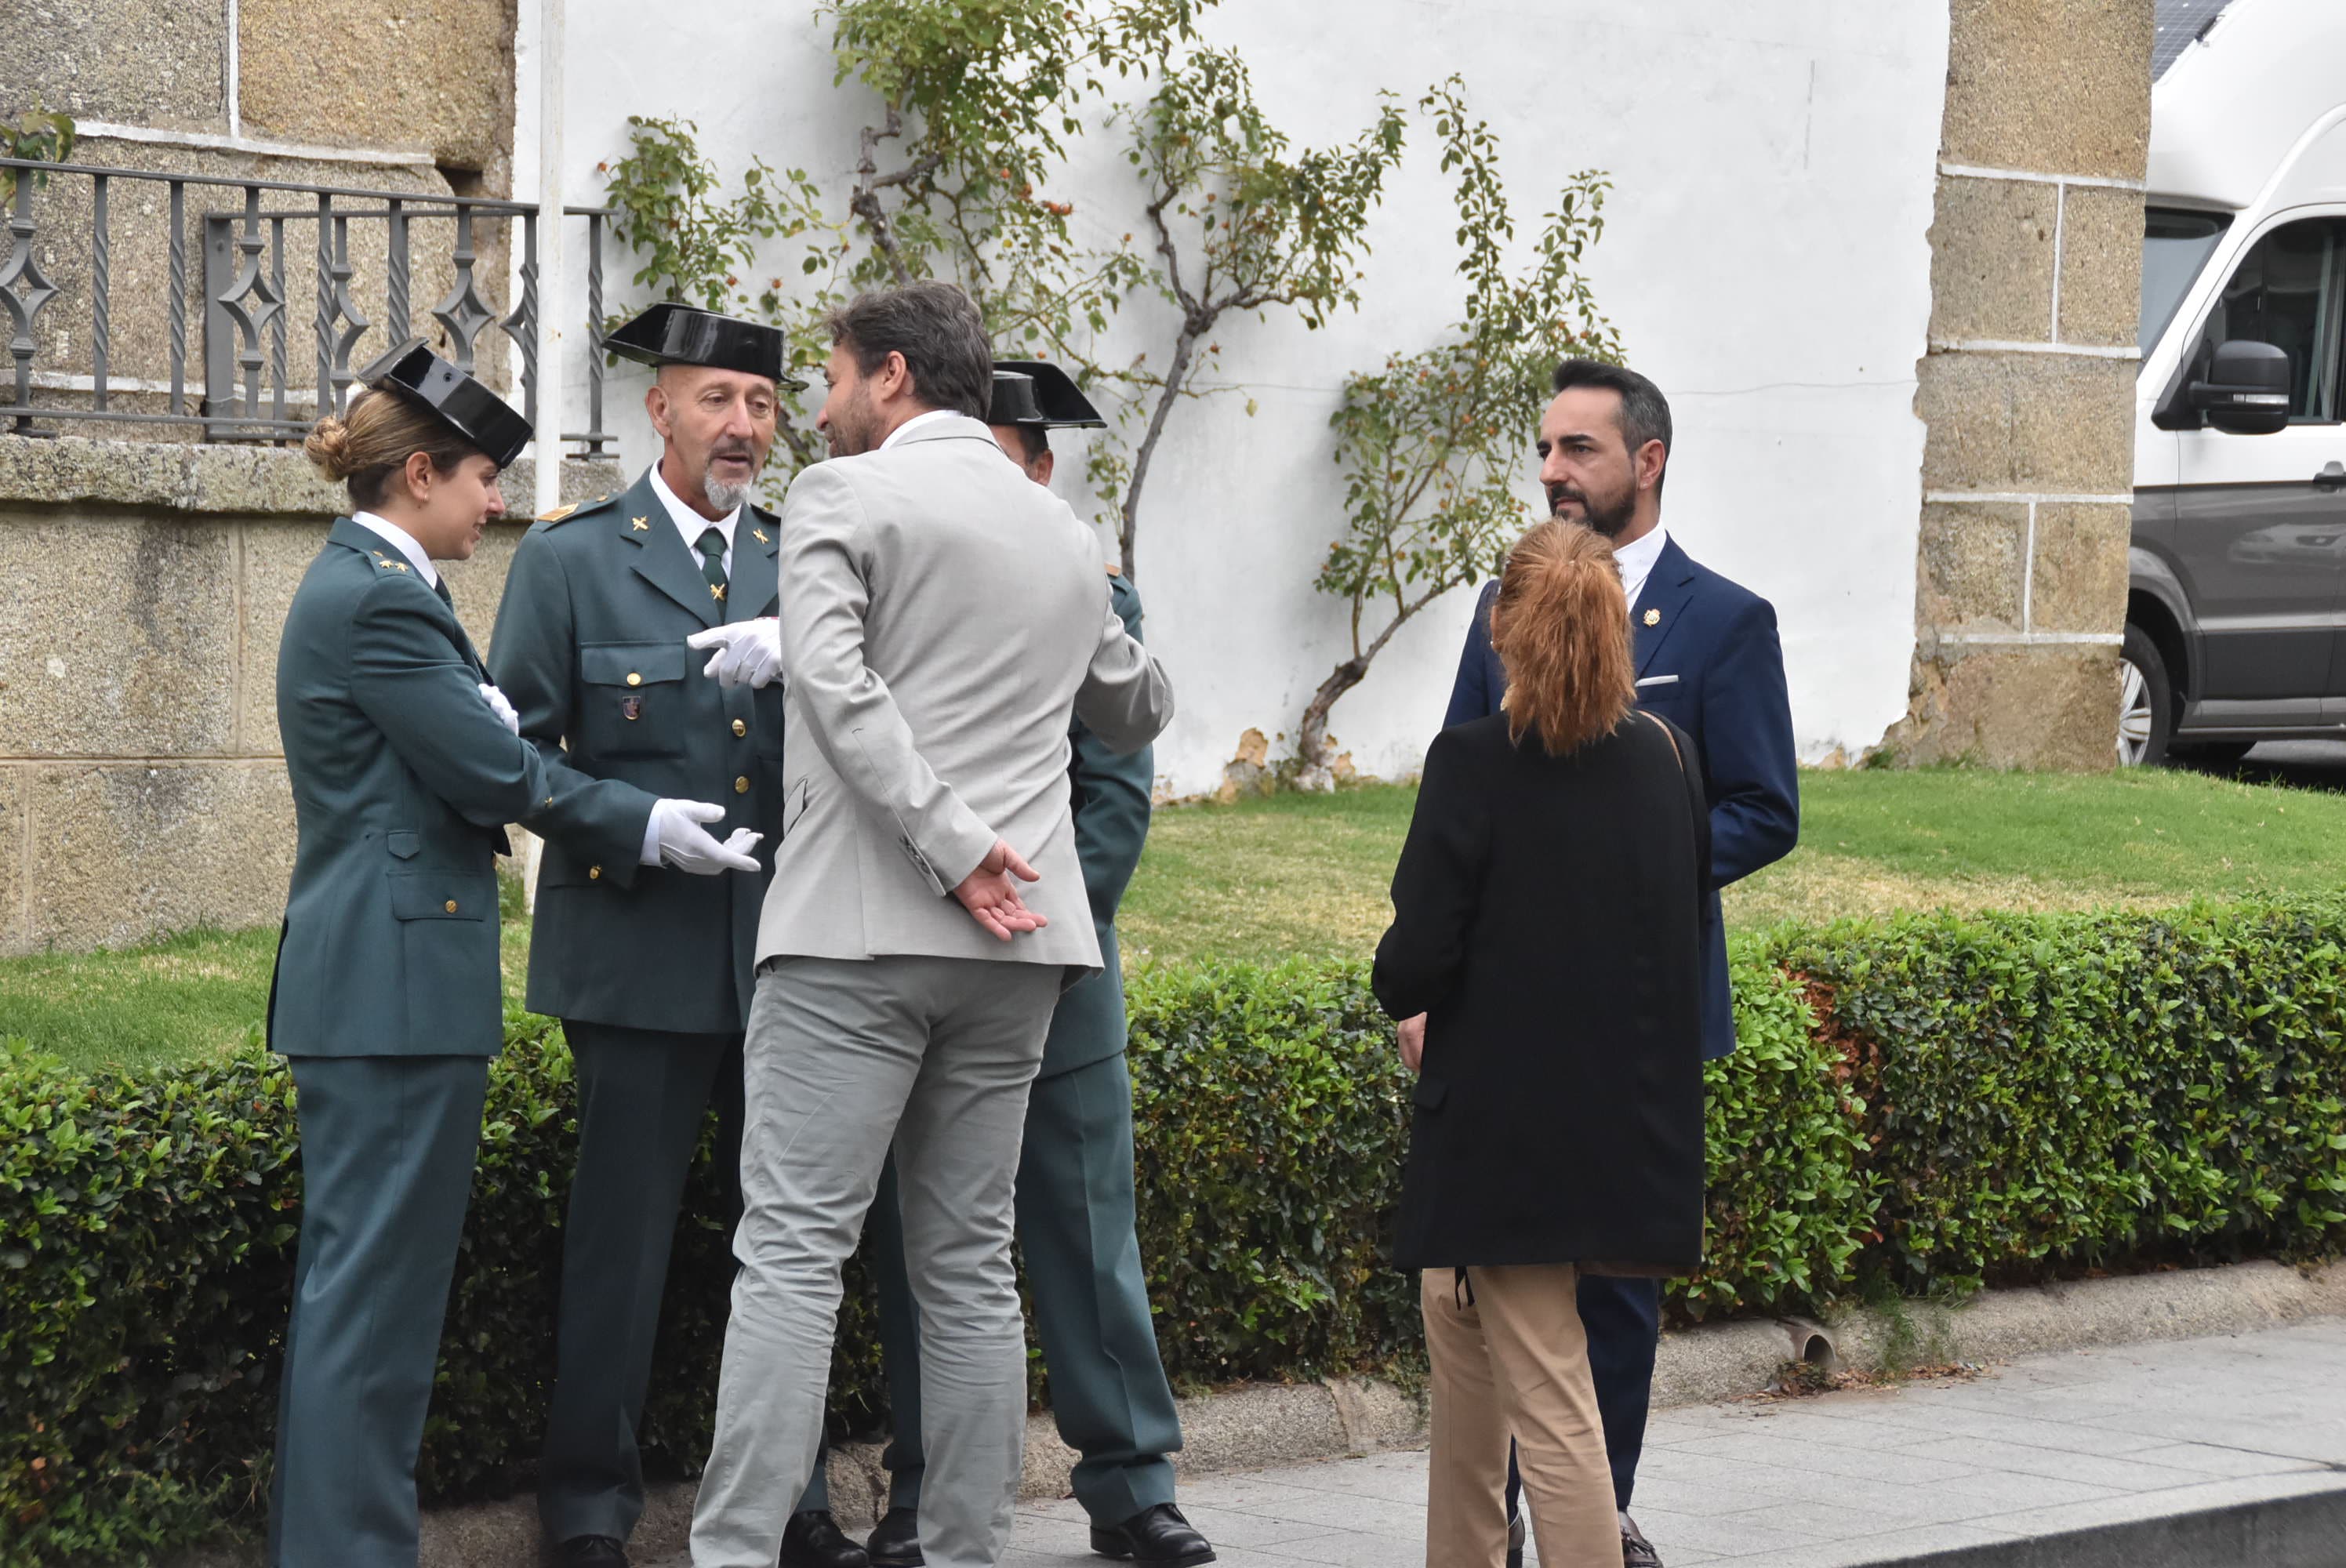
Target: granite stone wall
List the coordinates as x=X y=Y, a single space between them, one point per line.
x=142 y=783
x=2027 y=390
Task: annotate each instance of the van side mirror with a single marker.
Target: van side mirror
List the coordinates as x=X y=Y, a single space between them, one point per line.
x=2245 y=389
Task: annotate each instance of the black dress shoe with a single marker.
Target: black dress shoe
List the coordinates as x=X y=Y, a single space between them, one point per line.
x=896 y=1543
x=1158 y=1536
x=589 y=1552
x=813 y=1539
x=1637 y=1552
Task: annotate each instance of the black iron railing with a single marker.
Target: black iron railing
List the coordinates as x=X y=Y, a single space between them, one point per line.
x=249 y=390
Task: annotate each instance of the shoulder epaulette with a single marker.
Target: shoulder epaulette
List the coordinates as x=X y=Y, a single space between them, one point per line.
x=564 y=513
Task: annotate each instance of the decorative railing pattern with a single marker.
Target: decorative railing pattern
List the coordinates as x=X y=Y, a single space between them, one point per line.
x=249 y=390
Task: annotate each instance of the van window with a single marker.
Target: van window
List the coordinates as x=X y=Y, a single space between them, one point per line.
x=2288 y=291
x=2175 y=245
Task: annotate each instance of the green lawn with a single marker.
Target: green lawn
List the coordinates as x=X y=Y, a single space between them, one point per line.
x=1266 y=878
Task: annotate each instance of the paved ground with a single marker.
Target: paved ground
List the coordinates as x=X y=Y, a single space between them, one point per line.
x=2049 y=1444
x=2042 y=1446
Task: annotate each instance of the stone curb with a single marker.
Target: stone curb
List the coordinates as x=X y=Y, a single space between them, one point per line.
x=2298 y=1529
x=1264 y=1424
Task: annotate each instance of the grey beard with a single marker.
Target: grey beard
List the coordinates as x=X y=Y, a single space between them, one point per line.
x=723 y=496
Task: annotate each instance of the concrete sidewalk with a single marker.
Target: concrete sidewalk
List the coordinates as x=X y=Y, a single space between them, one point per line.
x=2083 y=1457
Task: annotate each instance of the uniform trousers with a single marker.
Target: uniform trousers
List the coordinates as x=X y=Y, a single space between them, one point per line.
x=1076 y=1233
x=1507 y=1355
x=643 y=1102
x=1623 y=1318
x=935 y=1055
x=388 y=1144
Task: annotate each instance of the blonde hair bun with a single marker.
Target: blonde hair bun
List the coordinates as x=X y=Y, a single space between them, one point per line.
x=329 y=447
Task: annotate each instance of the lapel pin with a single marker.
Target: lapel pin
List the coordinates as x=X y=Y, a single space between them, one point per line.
x=1653 y=617
x=717 y=592
x=639 y=525
x=759 y=534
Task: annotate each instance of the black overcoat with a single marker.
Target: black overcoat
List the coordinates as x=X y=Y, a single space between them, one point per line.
x=1547 y=916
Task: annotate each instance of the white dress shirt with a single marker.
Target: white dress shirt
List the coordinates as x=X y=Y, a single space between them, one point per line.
x=400 y=539
x=915 y=423
x=692 y=525
x=1636 y=560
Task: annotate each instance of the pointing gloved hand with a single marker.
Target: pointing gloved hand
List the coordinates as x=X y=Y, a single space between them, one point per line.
x=747 y=653
x=499 y=705
x=677 y=838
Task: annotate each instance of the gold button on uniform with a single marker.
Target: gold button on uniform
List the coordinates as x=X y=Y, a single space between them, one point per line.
x=451 y=906
x=740 y=785
x=594 y=873
x=635 y=680
x=739 y=728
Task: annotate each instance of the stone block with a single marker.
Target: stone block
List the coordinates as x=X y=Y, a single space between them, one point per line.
x=1991 y=260
x=13 y=850
x=2024 y=422
x=2039 y=707
x=2101 y=265
x=460 y=109
x=122 y=639
x=235 y=481
x=1971 y=567
x=160 y=63
x=123 y=851
x=2079 y=582
x=2052 y=87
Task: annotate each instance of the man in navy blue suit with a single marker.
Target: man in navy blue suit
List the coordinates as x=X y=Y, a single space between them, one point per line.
x=1710 y=662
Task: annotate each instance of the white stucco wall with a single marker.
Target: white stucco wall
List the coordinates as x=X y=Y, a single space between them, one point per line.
x=1766 y=261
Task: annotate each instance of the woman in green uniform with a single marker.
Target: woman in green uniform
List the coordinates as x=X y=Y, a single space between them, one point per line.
x=387 y=1001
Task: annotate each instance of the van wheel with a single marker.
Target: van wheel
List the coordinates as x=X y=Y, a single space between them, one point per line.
x=2146 y=702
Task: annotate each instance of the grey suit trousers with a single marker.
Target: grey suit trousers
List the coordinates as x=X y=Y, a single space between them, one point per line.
x=844 y=1057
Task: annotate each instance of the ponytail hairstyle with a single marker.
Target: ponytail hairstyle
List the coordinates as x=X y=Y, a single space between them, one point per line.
x=1560 y=626
x=367 y=447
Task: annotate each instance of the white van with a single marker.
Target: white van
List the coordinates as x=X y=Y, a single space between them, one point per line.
x=2236 y=614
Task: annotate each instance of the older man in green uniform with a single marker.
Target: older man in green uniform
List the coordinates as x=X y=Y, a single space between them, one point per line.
x=387 y=1001
x=1075 y=1200
x=660 y=787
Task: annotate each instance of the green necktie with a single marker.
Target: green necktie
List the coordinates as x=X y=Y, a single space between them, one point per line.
x=712 y=562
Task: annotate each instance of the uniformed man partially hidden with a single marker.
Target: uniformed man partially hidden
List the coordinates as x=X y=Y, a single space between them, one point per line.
x=659 y=788
x=1075 y=1200
x=387 y=1000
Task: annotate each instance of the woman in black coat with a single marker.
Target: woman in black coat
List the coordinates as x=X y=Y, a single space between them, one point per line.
x=1546 y=915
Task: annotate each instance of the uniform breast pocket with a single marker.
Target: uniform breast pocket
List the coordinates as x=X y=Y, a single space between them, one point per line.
x=631 y=698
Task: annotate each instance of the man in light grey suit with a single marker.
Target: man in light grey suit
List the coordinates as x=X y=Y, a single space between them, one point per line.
x=946 y=619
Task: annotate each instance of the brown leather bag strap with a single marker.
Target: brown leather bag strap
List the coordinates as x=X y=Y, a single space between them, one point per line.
x=1668 y=735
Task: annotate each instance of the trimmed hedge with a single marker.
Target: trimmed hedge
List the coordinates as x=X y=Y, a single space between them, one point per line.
x=1929 y=1101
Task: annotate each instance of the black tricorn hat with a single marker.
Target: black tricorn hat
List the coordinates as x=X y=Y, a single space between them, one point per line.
x=1059 y=402
x=673 y=334
x=1013 y=400
x=461 y=403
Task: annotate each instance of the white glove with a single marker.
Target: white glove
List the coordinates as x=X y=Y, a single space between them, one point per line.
x=749 y=653
x=503 y=708
x=677 y=838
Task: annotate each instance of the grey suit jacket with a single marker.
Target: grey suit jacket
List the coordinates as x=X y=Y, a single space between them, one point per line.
x=943 y=618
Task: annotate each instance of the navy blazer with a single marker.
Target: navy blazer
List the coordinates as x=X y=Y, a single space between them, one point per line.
x=1709 y=660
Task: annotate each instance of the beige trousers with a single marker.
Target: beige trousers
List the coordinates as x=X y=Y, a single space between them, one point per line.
x=1508 y=1356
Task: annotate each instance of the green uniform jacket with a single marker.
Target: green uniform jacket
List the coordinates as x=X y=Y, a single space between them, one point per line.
x=403 y=781
x=590 y=648
x=1111 y=805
